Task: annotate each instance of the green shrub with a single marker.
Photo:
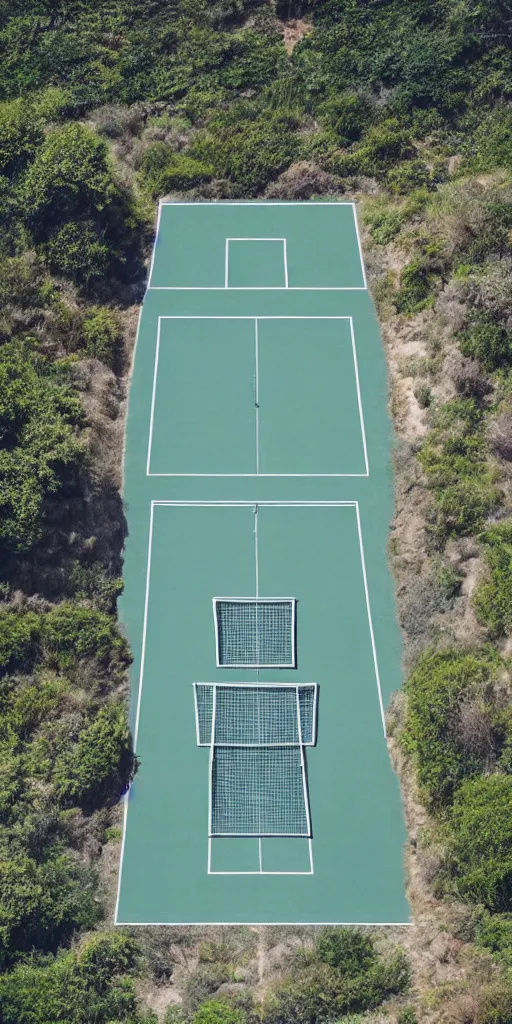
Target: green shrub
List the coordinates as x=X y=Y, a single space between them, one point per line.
x=416 y=287
x=70 y=176
x=20 y=634
x=102 y=335
x=168 y=171
x=71 y=632
x=493 y=595
x=479 y=841
x=250 y=153
x=348 y=950
x=444 y=752
x=454 y=458
x=346 y=114
x=21 y=132
x=213 y=1011
x=407 y=177
x=41 y=452
x=383 y=145
x=76 y=250
x=493 y=140
x=488 y=342
x=461 y=509
x=423 y=395
x=101 y=764
x=494 y=933
x=90 y=984
x=42 y=904
x=322 y=993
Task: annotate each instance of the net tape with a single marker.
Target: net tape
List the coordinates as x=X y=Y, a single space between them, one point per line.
x=259 y=632
x=256 y=716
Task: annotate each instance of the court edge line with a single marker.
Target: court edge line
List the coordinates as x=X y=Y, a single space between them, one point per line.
x=139 y=699
x=256 y=202
x=257 y=393
x=153 y=399
x=266 y=924
x=157 y=233
x=254 y=288
x=359 y=399
x=363 y=270
x=258 y=474
x=370 y=623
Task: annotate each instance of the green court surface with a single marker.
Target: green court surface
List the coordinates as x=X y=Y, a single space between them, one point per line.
x=257 y=469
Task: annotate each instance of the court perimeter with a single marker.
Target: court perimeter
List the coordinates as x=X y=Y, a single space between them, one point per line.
x=258 y=601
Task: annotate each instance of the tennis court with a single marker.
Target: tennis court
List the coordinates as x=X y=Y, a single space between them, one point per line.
x=257 y=598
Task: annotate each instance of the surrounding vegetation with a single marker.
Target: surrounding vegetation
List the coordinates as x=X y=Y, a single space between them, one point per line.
x=105 y=108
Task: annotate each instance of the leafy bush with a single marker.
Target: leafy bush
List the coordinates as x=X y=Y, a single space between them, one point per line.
x=167 y=171
x=348 y=950
x=74 y=208
x=407 y=177
x=454 y=459
x=213 y=1011
x=249 y=152
x=322 y=992
x=488 y=342
x=100 y=765
x=75 y=250
x=479 y=841
x=74 y=985
x=42 y=452
x=71 y=632
x=442 y=689
x=42 y=904
x=416 y=287
x=20 y=634
x=102 y=335
x=346 y=114
x=493 y=595
x=21 y=132
x=383 y=145
x=70 y=176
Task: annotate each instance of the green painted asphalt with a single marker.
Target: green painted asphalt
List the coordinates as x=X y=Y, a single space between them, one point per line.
x=205 y=420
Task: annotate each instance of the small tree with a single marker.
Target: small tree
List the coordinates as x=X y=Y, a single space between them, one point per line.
x=101 y=764
x=479 y=837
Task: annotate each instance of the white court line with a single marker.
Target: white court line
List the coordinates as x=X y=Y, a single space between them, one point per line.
x=155 y=242
x=265 y=924
x=361 y=260
x=153 y=399
x=370 y=624
x=359 y=400
x=253 y=287
x=258 y=474
x=257 y=393
x=256 y=559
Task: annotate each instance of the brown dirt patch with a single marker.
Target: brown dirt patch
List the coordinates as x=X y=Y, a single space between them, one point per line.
x=294 y=31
